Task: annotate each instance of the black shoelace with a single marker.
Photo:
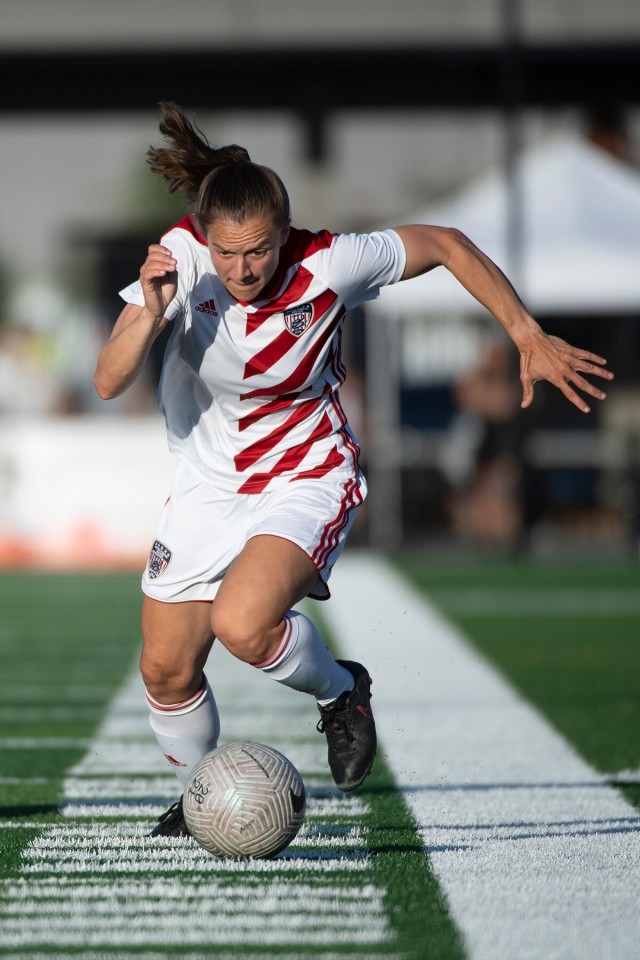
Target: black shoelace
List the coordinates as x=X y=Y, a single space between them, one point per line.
x=173 y=816
x=335 y=721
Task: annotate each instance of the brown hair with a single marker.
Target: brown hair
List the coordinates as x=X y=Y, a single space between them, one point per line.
x=220 y=183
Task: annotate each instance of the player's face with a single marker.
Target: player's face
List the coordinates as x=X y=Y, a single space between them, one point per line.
x=245 y=255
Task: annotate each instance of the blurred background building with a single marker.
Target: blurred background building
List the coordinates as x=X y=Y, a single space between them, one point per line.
x=515 y=120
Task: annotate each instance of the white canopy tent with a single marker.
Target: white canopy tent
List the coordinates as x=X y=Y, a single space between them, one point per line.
x=579 y=254
x=580 y=240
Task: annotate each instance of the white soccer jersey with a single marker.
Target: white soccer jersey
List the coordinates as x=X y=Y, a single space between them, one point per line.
x=249 y=391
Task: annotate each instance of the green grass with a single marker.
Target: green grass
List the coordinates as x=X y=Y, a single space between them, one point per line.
x=416 y=907
x=567 y=635
x=66 y=644
x=417 y=910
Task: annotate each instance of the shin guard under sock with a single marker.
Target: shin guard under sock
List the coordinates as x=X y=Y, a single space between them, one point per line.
x=303 y=662
x=186 y=731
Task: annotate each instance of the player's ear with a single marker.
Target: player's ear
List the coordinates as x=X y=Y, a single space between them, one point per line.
x=284 y=235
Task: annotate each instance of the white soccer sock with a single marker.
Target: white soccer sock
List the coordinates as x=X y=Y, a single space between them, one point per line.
x=186 y=731
x=303 y=662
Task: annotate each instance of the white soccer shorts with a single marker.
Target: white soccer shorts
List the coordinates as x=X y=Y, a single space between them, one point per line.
x=202 y=531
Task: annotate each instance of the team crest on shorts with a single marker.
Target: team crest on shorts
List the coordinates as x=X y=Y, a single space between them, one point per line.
x=159 y=559
x=298 y=319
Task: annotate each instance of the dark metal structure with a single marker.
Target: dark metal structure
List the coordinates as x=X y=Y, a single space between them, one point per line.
x=312 y=82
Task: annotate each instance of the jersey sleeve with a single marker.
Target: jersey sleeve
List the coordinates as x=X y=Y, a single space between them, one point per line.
x=177 y=241
x=362 y=263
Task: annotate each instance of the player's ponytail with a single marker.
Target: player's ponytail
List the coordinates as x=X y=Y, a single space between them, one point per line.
x=218 y=182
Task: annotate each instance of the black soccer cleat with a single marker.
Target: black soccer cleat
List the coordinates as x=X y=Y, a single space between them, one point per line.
x=350 y=730
x=171 y=823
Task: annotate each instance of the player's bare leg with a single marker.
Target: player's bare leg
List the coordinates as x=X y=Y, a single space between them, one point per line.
x=268 y=577
x=253 y=619
x=177 y=639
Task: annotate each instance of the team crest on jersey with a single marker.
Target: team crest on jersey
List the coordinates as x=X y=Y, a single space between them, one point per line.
x=298 y=319
x=159 y=559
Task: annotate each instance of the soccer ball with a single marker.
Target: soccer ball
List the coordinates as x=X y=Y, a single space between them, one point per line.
x=244 y=800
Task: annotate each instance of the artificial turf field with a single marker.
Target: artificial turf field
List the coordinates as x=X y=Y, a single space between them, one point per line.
x=79 y=784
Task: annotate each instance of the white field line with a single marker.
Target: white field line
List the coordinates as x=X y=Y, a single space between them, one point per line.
x=92 y=884
x=14 y=781
x=538 y=856
x=172 y=890
x=593 y=601
x=49 y=714
x=21 y=693
x=224 y=955
x=316 y=807
x=43 y=743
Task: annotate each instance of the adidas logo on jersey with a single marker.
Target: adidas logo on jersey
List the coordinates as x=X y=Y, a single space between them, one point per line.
x=208 y=307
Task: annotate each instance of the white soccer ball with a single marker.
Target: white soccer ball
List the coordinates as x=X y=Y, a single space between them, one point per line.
x=244 y=800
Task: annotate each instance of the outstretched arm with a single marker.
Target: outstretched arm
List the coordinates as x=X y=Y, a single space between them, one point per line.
x=542 y=357
x=124 y=354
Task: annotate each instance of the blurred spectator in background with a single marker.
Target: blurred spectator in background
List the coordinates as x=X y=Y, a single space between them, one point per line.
x=482 y=455
x=29 y=383
x=48 y=348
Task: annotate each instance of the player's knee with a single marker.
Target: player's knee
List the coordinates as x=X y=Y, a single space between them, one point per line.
x=168 y=682
x=240 y=633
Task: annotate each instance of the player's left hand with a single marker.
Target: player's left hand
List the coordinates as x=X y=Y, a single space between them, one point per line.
x=550 y=358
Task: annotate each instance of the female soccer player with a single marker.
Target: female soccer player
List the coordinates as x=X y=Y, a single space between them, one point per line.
x=268 y=480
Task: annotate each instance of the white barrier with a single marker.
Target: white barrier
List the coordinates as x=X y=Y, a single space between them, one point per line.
x=81 y=492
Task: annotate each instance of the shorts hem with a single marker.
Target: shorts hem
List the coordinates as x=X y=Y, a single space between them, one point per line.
x=322 y=589
x=185 y=596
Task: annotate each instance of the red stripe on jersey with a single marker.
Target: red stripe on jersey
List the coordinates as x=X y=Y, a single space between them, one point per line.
x=273 y=406
x=351 y=499
x=332 y=530
x=274 y=351
x=300 y=244
x=189 y=224
x=337 y=406
x=304 y=368
x=285 y=401
x=296 y=290
x=290 y=460
x=339 y=369
x=256 y=483
x=304 y=243
x=251 y=454
x=269 y=355
x=296 y=455
x=333 y=459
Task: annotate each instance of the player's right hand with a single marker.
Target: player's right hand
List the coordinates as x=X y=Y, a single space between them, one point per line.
x=159 y=280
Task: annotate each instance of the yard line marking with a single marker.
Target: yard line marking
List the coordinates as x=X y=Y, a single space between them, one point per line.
x=153 y=931
x=12 y=781
x=118 y=955
x=168 y=890
x=134 y=787
x=592 y=601
x=316 y=807
x=309 y=758
x=626 y=776
x=49 y=713
x=94 y=810
x=538 y=855
x=21 y=693
x=172 y=862
x=96 y=883
x=43 y=743
x=110 y=841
